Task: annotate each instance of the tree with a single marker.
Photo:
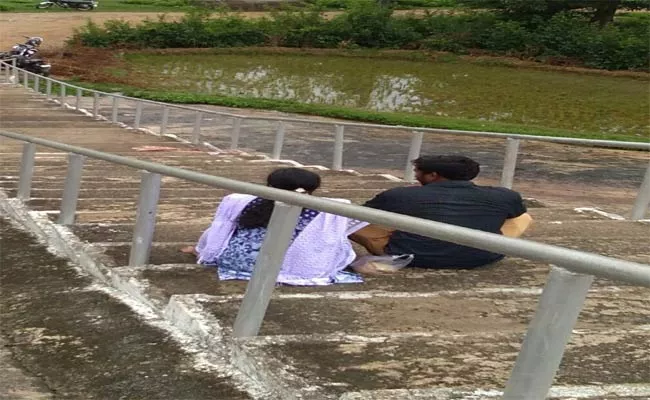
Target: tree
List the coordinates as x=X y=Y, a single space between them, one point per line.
x=601 y=11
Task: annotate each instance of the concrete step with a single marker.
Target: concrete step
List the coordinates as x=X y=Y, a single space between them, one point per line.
x=350 y=313
x=132 y=181
x=120 y=204
x=183 y=159
x=169 y=153
x=466 y=360
x=175 y=274
x=634 y=249
x=11 y=118
x=544 y=231
x=29 y=125
x=244 y=168
x=112 y=145
x=165 y=214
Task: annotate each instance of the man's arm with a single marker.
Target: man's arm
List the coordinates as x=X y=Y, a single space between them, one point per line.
x=518 y=218
x=515 y=227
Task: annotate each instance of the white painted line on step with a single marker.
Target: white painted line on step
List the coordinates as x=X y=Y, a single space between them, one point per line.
x=370 y=294
x=392 y=178
x=188 y=315
x=556 y=392
x=380 y=337
x=599 y=212
x=370 y=337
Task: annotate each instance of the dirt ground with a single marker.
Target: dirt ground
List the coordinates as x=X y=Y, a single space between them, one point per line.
x=55 y=28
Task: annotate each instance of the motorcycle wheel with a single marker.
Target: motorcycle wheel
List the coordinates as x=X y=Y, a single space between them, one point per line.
x=43 y=6
x=85 y=7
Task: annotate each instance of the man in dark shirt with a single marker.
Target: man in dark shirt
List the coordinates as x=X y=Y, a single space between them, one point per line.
x=446 y=195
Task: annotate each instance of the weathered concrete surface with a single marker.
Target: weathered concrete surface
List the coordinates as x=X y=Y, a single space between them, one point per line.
x=487 y=313
x=15 y=383
x=432 y=336
x=81 y=342
x=462 y=361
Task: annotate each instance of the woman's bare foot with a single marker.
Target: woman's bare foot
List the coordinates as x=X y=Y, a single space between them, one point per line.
x=371 y=269
x=189 y=250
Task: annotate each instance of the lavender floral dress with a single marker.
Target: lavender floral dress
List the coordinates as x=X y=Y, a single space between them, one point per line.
x=238 y=259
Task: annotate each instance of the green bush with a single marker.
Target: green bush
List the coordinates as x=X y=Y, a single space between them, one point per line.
x=567 y=35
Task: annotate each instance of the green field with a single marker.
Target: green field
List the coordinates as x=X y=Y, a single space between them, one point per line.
x=450 y=93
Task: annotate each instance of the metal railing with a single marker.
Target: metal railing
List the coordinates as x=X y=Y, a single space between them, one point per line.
x=548 y=333
x=337 y=128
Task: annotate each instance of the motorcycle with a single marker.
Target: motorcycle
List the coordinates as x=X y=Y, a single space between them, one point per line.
x=86 y=5
x=27 y=57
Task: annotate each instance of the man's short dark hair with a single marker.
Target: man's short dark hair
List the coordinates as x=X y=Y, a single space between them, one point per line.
x=454 y=168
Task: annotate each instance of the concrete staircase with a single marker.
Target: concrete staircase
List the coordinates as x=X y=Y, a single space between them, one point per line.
x=415 y=334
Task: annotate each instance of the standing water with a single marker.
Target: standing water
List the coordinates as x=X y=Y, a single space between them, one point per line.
x=458 y=89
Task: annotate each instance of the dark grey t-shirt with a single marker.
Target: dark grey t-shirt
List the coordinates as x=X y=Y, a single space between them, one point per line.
x=459 y=203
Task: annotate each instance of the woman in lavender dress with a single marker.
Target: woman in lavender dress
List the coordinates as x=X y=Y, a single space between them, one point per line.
x=319 y=251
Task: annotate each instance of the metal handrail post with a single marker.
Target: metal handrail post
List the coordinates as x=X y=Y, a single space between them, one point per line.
x=279 y=141
x=236 y=131
x=414 y=152
x=71 y=189
x=95 y=105
x=114 y=109
x=48 y=89
x=642 y=198
x=37 y=84
x=77 y=104
x=62 y=94
x=145 y=220
x=339 y=137
x=26 y=171
x=509 y=163
x=196 y=130
x=163 y=122
x=267 y=268
x=25 y=79
x=14 y=70
x=547 y=335
x=138 y=114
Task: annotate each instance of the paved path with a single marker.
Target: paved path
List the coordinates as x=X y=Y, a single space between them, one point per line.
x=433 y=334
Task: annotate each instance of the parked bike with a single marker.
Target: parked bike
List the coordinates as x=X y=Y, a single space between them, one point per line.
x=27 y=56
x=86 y=5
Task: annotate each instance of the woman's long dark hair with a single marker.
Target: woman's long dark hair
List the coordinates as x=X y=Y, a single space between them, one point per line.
x=259 y=214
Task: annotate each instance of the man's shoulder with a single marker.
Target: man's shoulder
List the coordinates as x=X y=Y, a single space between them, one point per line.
x=402 y=190
x=499 y=191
